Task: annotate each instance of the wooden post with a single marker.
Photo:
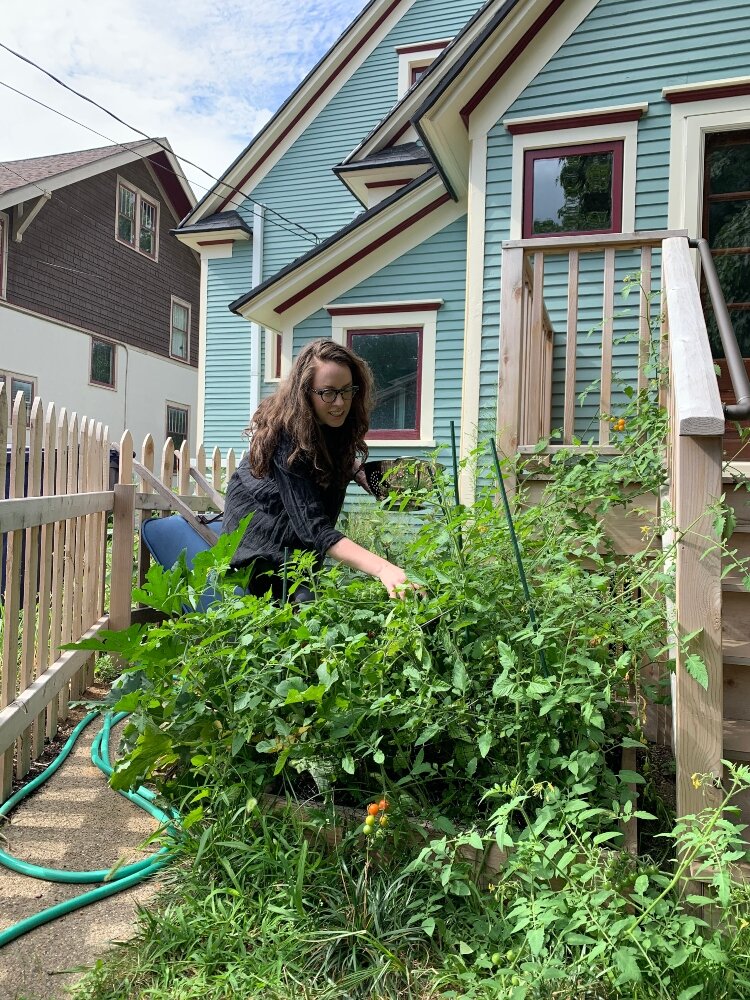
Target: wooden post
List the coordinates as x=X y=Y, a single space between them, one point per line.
x=121 y=585
x=571 y=348
x=509 y=382
x=698 y=714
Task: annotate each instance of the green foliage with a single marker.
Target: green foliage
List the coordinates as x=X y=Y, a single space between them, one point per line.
x=443 y=704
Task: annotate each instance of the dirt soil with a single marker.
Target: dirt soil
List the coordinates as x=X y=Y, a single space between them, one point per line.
x=73 y=821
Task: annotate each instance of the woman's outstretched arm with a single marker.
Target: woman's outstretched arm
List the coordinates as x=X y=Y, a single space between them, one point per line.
x=355 y=556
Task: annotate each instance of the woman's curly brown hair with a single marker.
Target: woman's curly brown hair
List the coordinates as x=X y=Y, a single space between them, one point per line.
x=290 y=409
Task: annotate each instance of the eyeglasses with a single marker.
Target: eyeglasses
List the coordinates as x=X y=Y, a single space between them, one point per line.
x=329 y=395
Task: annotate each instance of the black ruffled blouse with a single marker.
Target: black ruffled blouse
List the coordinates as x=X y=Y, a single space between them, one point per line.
x=290 y=509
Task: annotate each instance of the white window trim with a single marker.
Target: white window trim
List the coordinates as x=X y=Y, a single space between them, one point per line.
x=5 y=376
x=4 y=255
x=175 y=300
x=625 y=131
x=139 y=196
x=113 y=344
x=407 y=61
x=691 y=123
x=341 y=324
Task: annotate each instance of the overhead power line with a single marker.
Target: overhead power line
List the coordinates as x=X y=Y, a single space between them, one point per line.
x=229 y=187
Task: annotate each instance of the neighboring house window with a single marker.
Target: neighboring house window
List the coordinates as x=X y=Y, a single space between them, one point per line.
x=4 y=230
x=179 y=336
x=102 y=363
x=19 y=383
x=395 y=356
x=137 y=219
x=177 y=423
x=573 y=189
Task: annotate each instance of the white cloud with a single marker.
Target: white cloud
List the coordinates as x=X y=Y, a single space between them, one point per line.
x=205 y=75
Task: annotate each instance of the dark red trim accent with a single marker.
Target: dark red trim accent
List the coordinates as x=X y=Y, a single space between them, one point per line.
x=616 y=147
x=396 y=182
x=214 y=243
x=515 y=52
x=411 y=434
x=579 y=121
x=361 y=254
x=384 y=308
x=404 y=128
x=326 y=83
x=422 y=47
x=277 y=358
x=707 y=93
x=172 y=187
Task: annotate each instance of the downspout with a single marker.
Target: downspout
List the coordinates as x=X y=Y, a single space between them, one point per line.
x=255 y=330
x=737 y=371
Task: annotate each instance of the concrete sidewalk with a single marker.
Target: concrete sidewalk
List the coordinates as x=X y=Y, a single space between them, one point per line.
x=75 y=822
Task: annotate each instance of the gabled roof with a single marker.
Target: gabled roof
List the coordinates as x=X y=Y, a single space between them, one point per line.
x=24 y=180
x=319 y=85
x=406 y=153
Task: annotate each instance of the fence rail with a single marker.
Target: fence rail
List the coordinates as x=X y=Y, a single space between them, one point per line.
x=69 y=505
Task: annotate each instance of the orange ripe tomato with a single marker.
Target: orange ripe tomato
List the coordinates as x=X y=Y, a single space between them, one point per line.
x=383 y=805
x=373 y=809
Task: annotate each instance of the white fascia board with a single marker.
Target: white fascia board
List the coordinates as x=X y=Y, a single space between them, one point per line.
x=396 y=174
x=32 y=190
x=198 y=241
x=342 y=61
x=262 y=309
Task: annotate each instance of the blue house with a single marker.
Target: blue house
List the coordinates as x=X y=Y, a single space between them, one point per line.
x=438 y=164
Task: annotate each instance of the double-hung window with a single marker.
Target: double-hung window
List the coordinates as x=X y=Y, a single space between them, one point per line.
x=179 y=335
x=178 y=420
x=137 y=220
x=14 y=384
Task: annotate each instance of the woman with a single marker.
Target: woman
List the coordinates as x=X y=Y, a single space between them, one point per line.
x=306 y=441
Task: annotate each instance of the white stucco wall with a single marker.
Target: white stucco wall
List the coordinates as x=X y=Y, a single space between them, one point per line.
x=57 y=356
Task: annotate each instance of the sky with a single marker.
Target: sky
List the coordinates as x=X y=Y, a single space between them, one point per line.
x=207 y=75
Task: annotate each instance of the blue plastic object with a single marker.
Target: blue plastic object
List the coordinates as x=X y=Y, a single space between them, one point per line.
x=167 y=538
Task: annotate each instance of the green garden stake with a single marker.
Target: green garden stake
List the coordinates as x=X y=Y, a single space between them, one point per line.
x=284 y=577
x=456 y=494
x=517 y=551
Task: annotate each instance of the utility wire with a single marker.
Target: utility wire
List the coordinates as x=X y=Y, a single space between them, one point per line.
x=90 y=100
x=128 y=148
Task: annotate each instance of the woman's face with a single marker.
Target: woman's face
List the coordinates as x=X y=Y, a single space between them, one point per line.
x=330 y=375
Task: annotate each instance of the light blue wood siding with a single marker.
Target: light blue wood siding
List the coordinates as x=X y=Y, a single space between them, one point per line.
x=227 y=382
x=622 y=53
x=434 y=270
x=302 y=185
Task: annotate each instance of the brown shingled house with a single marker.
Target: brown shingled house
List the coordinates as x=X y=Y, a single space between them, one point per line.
x=98 y=301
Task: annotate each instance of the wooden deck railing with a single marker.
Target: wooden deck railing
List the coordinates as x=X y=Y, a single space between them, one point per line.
x=54 y=518
x=669 y=318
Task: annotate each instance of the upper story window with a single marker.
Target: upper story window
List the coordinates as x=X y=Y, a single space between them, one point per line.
x=179 y=335
x=573 y=189
x=414 y=61
x=137 y=220
x=102 y=370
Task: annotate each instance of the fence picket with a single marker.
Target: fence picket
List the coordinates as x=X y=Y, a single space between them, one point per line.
x=71 y=551
x=58 y=560
x=30 y=582
x=43 y=658
x=13 y=564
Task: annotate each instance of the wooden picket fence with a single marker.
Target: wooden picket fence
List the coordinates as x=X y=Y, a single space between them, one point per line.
x=69 y=505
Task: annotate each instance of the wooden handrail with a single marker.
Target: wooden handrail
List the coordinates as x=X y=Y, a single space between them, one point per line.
x=590 y=244
x=695 y=390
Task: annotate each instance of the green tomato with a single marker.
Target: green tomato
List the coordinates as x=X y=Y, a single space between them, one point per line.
x=497 y=958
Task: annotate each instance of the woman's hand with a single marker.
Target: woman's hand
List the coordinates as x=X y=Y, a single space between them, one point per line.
x=395 y=581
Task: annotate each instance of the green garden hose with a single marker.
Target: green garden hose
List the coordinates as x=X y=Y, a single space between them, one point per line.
x=112 y=879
